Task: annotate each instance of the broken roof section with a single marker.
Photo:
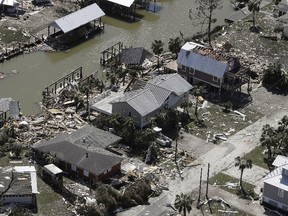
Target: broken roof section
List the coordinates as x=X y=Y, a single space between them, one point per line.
x=9 y=105
x=125 y=3
x=78 y=18
x=203 y=59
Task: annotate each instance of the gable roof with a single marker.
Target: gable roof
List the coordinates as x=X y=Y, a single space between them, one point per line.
x=143 y=101
x=171 y=82
x=93 y=162
x=78 y=18
x=280 y=160
x=135 y=56
x=88 y=137
x=155 y=93
x=191 y=56
x=276 y=178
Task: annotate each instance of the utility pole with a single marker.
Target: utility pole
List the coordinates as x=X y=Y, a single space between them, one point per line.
x=199 y=196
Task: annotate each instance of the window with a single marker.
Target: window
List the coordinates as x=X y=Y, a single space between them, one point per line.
x=183 y=68
x=280 y=193
x=215 y=79
x=86 y=173
x=191 y=71
x=73 y=167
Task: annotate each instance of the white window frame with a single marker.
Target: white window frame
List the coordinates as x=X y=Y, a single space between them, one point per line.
x=86 y=173
x=280 y=193
x=73 y=167
x=215 y=79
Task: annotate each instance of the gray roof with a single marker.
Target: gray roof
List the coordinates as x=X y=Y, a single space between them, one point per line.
x=8 y=104
x=280 y=161
x=135 y=56
x=171 y=82
x=25 y=181
x=88 y=137
x=202 y=63
x=78 y=18
x=143 y=101
x=95 y=163
x=276 y=179
x=155 y=93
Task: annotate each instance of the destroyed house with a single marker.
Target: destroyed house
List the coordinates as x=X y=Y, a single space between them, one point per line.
x=201 y=64
x=23 y=181
x=163 y=92
x=79 y=161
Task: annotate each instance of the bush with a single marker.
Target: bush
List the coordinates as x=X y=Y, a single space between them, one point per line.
x=276 y=76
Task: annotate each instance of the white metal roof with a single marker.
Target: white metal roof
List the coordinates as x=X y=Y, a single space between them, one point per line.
x=21 y=169
x=126 y=3
x=78 y=18
x=276 y=179
x=9 y=2
x=280 y=161
x=53 y=169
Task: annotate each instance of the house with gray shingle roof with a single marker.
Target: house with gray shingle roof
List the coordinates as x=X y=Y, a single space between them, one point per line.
x=275 y=189
x=201 y=64
x=80 y=161
x=162 y=92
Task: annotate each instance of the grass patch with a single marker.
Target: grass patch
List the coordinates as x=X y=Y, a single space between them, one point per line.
x=230 y=184
x=257 y=157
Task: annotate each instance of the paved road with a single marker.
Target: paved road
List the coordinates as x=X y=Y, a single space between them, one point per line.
x=221 y=157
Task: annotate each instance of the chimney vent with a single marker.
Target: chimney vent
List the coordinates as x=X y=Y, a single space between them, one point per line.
x=86 y=154
x=84 y=140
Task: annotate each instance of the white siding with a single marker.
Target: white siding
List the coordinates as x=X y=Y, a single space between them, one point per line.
x=86 y=173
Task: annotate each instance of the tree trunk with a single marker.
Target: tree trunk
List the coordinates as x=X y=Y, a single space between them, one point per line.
x=241 y=186
x=209 y=26
x=184 y=209
x=196 y=110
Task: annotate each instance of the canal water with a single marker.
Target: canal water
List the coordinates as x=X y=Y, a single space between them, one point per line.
x=27 y=75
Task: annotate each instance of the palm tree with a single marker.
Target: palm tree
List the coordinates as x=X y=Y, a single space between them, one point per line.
x=254 y=6
x=174 y=45
x=157 y=48
x=183 y=203
x=197 y=92
x=242 y=164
